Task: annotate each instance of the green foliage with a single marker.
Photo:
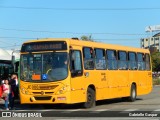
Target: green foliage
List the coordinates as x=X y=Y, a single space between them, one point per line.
x=156 y=81
x=155 y=57
x=86 y=38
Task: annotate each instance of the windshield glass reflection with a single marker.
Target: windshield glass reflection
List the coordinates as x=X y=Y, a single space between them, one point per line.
x=44 y=67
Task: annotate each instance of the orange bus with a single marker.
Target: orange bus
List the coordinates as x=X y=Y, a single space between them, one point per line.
x=69 y=71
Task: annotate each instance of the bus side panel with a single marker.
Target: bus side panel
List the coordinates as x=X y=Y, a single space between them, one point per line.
x=145 y=82
x=101 y=83
x=142 y=82
x=149 y=81
x=122 y=78
x=133 y=78
x=112 y=81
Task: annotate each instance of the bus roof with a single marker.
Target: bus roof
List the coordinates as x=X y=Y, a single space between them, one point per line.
x=94 y=44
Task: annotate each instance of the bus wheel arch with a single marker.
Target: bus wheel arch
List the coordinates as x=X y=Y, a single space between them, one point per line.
x=90 y=97
x=133 y=92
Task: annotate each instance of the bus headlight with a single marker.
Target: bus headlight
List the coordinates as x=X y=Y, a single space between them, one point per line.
x=63 y=90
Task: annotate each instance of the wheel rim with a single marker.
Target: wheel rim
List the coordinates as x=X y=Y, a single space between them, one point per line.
x=89 y=98
x=134 y=93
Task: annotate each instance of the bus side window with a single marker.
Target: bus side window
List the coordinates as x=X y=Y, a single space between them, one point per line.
x=122 y=63
x=111 y=59
x=132 y=61
x=75 y=63
x=100 y=61
x=88 y=58
x=141 y=63
x=147 y=61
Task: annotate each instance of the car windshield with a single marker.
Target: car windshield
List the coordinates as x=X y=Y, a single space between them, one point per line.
x=44 y=67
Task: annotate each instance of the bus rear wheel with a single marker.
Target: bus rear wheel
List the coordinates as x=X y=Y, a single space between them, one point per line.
x=90 y=100
x=133 y=93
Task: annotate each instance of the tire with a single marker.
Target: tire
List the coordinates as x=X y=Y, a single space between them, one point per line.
x=133 y=93
x=90 y=99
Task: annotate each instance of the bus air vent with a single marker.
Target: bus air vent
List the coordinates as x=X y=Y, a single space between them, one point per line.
x=43 y=98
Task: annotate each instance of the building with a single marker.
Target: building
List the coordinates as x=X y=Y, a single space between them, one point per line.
x=152 y=43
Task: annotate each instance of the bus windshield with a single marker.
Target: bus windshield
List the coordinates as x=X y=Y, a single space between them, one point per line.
x=44 y=67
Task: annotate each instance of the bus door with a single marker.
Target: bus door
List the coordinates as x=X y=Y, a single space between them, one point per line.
x=77 y=78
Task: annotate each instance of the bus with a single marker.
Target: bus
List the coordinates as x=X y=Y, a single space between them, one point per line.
x=6 y=68
x=8 y=65
x=70 y=71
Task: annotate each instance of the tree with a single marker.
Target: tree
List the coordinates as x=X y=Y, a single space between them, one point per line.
x=87 y=38
x=155 y=57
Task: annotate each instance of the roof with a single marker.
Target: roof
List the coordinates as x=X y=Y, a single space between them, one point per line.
x=156 y=35
x=16 y=54
x=4 y=55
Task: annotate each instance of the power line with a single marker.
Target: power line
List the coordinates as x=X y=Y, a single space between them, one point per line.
x=4 y=42
x=98 y=39
x=118 y=34
x=79 y=9
x=11 y=46
x=17 y=38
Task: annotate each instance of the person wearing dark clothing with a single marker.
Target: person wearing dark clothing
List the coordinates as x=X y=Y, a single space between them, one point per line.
x=16 y=95
x=12 y=93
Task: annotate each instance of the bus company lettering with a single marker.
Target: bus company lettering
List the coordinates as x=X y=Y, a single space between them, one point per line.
x=15 y=114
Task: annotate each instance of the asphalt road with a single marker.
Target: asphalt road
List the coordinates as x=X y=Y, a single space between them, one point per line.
x=145 y=107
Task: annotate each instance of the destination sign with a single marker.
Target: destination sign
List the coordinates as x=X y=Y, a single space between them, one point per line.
x=44 y=46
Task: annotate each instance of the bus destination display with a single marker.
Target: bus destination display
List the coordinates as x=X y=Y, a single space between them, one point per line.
x=44 y=46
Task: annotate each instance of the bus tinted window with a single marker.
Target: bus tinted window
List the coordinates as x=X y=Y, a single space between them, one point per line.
x=132 y=61
x=147 y=60
x=100 y=62
x=141 y=63
x=112 y=59
x=88 y=58
x=76 y=63
x=122 y=63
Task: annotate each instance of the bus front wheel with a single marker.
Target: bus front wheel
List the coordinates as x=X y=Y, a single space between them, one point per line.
x=90 y=99
x=133 y=93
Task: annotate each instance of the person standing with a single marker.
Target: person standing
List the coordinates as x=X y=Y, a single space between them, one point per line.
x=6 y=92
x=16 y=94
x=12 y=83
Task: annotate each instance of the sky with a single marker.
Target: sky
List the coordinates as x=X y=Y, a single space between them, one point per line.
x=121 y=22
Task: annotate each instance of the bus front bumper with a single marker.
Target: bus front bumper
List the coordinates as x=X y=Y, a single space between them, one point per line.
x=44 y=99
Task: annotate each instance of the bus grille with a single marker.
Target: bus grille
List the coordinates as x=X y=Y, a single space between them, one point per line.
x=42 y=87
x=41 y=92
x=43 y=98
